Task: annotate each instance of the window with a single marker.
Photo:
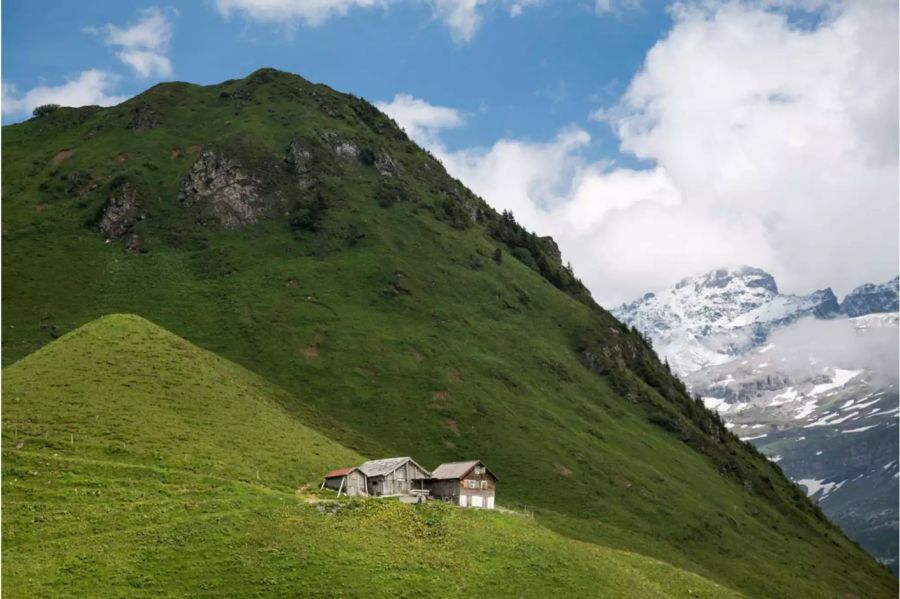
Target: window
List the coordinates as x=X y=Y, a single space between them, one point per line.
x=471 y=483
x=479 y=469
x=484 y=484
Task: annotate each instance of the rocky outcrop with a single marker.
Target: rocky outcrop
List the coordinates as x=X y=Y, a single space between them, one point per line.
x=342 y=148
x=386 y=165
x=300 y=160
x=143 y=118
x=465 y=202
x=123 y=210
x=872 y=299
x=223 y=193
x=552 y=249
x=346 y=151
x=350 y=151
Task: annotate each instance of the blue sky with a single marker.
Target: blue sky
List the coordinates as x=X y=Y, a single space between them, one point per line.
x=653 y=140
x=522 y=76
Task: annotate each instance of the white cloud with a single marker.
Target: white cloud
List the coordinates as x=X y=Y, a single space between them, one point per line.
x=517 y=6
x=144 y=45
x=802 y=348
x=421 y=121
x=90 y=87
x=774 y=146
x=528 y=178
x=146 y=62
x=791 y=132
x=462 y=17
x=603 y=7
x=310 y=12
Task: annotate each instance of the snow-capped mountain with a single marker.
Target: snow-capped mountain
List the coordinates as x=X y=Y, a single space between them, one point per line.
x=812 y=383
x=872 y=299
x=714 y=318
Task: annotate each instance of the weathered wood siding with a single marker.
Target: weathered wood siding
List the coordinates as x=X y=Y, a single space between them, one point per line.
x=399 y=482
x=476 y=490
x=353 y=483
x=356 y=483
x=448 y=490
x=461 y=491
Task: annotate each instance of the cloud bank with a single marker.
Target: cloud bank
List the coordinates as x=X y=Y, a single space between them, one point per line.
x=143 y=46
x=808 y=344
x=89 y=87
x=421 y=120
x=463 y=18
x=774 y=143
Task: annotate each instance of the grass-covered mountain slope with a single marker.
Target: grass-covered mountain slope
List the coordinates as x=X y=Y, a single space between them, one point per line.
x=297 y=232
x=135 y=464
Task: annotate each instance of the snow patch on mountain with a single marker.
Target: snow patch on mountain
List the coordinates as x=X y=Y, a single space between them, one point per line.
x=810 y=382
x=712 y=319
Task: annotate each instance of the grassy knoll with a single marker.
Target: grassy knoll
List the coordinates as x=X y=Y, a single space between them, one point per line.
x=136 y=464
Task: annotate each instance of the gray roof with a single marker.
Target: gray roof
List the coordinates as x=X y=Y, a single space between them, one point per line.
x=454 y=470
x=385 y=466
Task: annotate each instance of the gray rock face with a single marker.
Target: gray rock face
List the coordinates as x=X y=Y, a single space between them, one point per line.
x=552 y=248
x=301 y=161
x=143 y=118
x=349 y=151
x=300 y=158
x=386 y=165
x=346 y=151
x=342 y=148
x=123 y=210
x=872 y=299
x=224 y=193
x=460 y=196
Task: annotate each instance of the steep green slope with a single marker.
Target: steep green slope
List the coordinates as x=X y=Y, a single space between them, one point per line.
x=137 y=464
x=336 y=259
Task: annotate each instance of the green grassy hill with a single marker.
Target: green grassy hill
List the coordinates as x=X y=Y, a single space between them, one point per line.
x=135 y=463
x=297 y=232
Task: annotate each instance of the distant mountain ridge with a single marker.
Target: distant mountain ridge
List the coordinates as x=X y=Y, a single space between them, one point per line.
x=716 y=317
x=810 y=382
x=872 y=299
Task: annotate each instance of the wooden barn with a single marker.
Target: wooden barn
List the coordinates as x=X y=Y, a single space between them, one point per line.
x=393 y=476
x=468 y=484
x=351 y=481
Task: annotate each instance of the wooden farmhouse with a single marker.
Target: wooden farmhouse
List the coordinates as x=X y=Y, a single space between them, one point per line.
x=347 y=480
x=468 y=484
x=394 y=476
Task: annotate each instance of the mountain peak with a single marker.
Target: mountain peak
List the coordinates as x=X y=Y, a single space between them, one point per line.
x=711 y=318
x=750 y=276
x=870 y=299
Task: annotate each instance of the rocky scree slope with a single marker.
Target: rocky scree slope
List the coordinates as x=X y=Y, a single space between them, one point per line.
x=298 y=232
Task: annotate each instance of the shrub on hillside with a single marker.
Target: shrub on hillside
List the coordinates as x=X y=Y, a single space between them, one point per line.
x=45 y=109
